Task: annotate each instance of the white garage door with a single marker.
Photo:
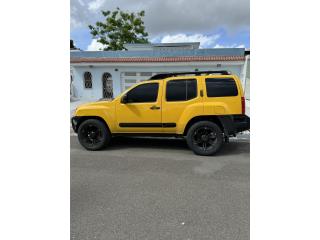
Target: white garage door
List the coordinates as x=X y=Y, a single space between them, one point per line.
x=130 y=78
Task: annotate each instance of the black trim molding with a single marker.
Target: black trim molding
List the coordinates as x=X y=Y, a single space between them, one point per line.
x=146 y=125
x=168 y=125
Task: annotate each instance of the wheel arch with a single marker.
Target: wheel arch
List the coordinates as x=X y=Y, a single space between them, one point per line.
x=219 y=120
x=76 y=121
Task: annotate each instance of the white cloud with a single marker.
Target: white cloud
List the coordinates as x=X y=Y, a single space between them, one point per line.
x=95 y=5
x=95 y=46
x=229 y=46
x=74 y=23
x=81 y=3
x=171 y=17
x=206 y=41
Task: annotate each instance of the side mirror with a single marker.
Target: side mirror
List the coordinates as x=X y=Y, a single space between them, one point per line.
x=124 y=99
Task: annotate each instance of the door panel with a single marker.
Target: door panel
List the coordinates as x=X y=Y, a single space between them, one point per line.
x=142 y=114
x=177 y=107
x=222 y=95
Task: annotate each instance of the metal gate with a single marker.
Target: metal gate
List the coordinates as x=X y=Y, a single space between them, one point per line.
x=107 y=91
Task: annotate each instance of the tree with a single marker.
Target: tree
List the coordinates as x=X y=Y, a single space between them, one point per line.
x=72 y=46
x=119 y=28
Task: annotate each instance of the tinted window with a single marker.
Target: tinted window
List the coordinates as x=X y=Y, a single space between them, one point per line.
x=181 y=90
x=221 y=87
x=143 y=93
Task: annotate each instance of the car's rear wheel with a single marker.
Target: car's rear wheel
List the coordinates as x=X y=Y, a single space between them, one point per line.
x=205 y=138
x=93 y=134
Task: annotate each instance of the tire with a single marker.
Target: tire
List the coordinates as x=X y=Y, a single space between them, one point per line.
x=93 y=134
x=205 y=138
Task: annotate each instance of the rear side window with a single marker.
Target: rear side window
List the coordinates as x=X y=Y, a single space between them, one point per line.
x=143 y=93
x=221 y=87
x=181 y=90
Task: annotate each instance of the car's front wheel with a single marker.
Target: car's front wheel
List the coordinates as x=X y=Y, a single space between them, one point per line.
x=205 y=138
x=93 y=134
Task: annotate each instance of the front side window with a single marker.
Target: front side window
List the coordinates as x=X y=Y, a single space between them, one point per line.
x=87 y=80
x=181 y=90
x=143 y=93
x=221 y=87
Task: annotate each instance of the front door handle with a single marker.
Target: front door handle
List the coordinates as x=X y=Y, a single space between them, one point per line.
x=154 y=107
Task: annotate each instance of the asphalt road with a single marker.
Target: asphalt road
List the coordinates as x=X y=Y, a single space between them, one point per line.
x=158 y=189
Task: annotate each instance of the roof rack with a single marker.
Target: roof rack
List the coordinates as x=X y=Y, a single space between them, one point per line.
x=198 y=73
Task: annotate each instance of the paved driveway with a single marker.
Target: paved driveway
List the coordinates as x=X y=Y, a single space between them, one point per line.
x=142 y=188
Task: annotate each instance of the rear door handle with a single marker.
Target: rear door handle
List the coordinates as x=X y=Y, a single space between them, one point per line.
x=154 y=107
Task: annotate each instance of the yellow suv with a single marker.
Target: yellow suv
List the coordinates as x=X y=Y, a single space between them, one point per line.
x=205 y=108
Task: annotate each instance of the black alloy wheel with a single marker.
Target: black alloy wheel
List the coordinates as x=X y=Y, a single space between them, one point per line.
x=93 y=134
x=205 y=138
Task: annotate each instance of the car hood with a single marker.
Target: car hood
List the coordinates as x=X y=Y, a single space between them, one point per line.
x=85 y=108
x=100 y=102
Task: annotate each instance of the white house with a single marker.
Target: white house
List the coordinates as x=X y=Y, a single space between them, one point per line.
x=105 y=74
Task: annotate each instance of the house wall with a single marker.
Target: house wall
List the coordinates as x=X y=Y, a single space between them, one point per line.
x=247 y=87
x=95 y=92
x=118 y=86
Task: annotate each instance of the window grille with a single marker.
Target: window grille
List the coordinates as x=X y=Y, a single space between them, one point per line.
x=107 y=90
x=87 y=80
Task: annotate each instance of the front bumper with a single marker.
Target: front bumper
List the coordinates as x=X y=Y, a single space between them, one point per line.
x=74 y=123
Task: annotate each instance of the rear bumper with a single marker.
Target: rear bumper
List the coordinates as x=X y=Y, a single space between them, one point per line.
x=241 y=123
x=232 y=124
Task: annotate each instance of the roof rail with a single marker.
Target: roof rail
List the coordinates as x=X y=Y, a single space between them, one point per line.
x=198 y=73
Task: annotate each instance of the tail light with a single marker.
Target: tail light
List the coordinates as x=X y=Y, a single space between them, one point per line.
x=243 y=105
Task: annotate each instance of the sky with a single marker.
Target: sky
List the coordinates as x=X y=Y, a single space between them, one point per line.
x=213 y=23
